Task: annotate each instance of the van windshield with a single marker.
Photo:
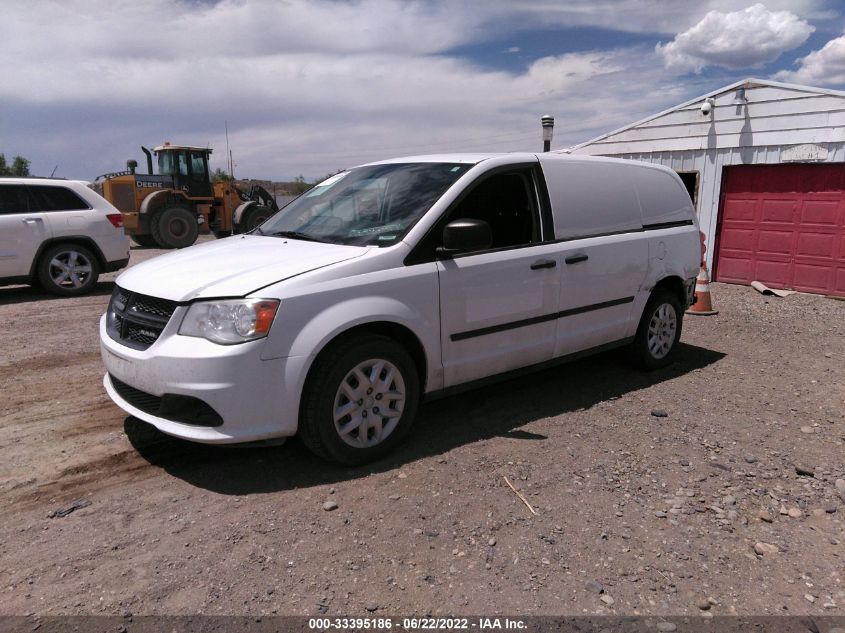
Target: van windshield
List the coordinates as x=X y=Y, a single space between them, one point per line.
x=374 y=205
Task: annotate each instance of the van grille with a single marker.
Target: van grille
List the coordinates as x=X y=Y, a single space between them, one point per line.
x=137 y=320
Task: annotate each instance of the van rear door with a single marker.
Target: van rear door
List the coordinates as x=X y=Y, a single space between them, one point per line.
x=602 y=277
x=598 y=225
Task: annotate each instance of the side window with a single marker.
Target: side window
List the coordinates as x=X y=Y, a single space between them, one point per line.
x=13 y=199
x=197 y=167
x=47 y=198
x=507 y=202
x=166 y=166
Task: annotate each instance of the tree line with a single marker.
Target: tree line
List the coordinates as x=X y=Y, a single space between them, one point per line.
x=297 y=187
x=19 y=166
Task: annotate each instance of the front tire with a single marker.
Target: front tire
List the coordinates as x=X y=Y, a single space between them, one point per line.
x=174 y=227
x=252 y=217
x=68 y=270
x=659 y=331
x=360 y=400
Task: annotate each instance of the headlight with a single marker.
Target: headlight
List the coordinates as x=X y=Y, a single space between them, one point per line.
x=230 y=321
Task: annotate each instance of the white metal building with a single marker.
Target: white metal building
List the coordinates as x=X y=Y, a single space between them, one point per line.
x=765 y=164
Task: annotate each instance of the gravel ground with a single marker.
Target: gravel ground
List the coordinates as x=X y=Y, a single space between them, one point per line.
x=709 y=487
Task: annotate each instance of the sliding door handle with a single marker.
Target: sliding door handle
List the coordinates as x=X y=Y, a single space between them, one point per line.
x=574 y=259
x=543 y=263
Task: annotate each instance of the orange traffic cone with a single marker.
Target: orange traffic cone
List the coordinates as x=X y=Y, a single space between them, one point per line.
x=703 y=306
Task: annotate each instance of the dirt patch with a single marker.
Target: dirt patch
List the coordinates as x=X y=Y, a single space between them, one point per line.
x=635 y=513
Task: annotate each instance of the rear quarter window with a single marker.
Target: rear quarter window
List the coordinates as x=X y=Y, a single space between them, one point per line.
x=49 y=198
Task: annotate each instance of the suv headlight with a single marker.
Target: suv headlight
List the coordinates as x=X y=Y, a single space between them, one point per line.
x=230 y=321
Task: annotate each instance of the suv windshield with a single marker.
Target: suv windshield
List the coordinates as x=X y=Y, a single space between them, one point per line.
x=373 y=205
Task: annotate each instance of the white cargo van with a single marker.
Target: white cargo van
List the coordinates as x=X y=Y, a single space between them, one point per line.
x=397 y=280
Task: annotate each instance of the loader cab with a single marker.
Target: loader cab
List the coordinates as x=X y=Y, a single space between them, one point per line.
x=188 y=166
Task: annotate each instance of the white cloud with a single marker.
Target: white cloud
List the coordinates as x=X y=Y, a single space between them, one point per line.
x=310 y=87
x=741 y=39
x=635 y=16
x=824 y=67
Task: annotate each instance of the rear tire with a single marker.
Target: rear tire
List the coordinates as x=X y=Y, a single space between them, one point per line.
x=252 y=217
x=360 y=400
x=174 y=227
x=68 y=270
x=659 y=331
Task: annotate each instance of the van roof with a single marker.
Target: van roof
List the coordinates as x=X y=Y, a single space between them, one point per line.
x=474 y=159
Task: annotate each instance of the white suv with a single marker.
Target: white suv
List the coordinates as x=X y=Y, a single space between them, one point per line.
x=398 y=280
x=58 y=233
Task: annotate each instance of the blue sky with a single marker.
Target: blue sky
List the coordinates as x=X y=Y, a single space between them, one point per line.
x=312 y=87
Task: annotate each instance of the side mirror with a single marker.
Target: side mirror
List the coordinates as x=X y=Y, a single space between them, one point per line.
x=465 y=235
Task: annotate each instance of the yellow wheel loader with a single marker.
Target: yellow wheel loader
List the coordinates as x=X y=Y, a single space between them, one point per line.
x=171 y=208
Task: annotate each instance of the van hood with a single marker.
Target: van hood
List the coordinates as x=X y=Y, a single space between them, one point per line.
x=231 y=267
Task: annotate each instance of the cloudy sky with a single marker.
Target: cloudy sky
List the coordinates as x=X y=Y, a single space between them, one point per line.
x=310 y=87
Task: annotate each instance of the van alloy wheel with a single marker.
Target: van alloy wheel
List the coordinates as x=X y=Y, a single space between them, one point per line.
x=369 y=403
x=360 y=399
x=659 y=331
x=662 y=330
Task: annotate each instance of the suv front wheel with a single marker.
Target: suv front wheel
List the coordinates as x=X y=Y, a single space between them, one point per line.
x=68 y=270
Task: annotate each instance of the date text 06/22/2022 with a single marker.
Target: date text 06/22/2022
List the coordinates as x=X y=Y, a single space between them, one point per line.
x=415 y=624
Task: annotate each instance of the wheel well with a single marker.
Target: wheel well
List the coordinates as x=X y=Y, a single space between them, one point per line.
x=174 y=200
x=675 y=285
x=80 y=240
x=398 y=333
x=160 y=200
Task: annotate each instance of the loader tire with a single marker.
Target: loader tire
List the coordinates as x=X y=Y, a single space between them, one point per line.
x=145 y=240
x=174 y=227
x=252 y=217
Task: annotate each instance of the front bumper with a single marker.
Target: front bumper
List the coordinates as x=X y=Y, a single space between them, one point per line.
x=253 y=399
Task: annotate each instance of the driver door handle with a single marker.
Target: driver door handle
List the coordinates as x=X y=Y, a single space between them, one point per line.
x=574 y=259
x=543 y=263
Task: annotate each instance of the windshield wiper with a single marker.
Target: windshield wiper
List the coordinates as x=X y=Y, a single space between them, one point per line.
x=296 y=235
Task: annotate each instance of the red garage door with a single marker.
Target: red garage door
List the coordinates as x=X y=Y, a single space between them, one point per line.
x=783 y=225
